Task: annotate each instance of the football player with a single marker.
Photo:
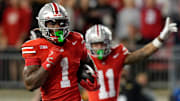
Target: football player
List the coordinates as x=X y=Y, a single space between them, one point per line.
x=110 y=60
x=53 y=60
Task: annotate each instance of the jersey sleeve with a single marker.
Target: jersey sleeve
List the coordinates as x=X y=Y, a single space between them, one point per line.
x=123 y=51
x=29 y=53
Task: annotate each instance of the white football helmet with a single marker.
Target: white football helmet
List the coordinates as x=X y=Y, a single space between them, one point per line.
x=99 y=34
x=53 y=12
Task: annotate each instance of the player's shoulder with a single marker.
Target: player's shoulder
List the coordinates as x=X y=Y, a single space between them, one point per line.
x=31 y=48
x=34 y=42
x=120 y=48
x=76 y=35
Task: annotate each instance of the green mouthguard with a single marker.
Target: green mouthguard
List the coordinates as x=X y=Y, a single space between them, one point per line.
x=100 y=54
x=60 y=36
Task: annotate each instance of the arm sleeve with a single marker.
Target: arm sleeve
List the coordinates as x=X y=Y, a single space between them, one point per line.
x=125 y=51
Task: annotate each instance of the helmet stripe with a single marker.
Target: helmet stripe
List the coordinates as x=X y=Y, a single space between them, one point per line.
x=97 y=30
x=55 y=8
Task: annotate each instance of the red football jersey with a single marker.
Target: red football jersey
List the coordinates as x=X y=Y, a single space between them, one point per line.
x=61 y=84
x=109 y=71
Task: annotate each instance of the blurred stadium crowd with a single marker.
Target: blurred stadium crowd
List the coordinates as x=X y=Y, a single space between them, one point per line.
x=133 y=22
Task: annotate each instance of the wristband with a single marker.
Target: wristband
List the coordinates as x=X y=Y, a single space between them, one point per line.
x=157 y=43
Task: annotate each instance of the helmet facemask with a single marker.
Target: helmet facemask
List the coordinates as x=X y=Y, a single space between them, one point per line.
x=55 y=34
x=100 y=51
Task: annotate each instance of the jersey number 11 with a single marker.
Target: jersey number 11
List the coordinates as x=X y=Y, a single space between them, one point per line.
x=103 y=93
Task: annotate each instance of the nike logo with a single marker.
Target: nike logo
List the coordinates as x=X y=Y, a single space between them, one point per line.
x=74 y=43
x=116 y=55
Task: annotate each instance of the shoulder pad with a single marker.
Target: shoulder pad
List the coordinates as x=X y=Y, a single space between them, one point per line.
x=122 y=49
x=117 y=46
x=77 y=36
x=30 y=48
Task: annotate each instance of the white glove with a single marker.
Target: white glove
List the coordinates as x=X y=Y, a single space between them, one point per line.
x=168 y=28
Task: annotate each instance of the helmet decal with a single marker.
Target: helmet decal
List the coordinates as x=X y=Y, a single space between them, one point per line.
x=55 y=8
x=97 y=30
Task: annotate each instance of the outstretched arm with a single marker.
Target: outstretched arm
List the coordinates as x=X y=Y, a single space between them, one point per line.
x=140 y=54
x=152 y=47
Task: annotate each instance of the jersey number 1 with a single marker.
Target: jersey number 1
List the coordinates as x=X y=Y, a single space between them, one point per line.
x=65 y=82
x=103 y=93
